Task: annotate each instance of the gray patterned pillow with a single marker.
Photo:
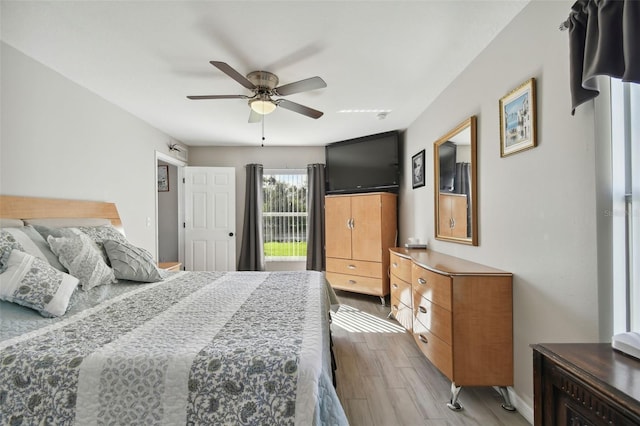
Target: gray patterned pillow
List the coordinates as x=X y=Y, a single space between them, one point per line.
x=132 y=263
x=32 y=282
x=101 y=233
x=7 y=243
x=79 y=256
x=96 y=233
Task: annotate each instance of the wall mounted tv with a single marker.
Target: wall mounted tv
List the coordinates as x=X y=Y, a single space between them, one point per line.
x=366 y=164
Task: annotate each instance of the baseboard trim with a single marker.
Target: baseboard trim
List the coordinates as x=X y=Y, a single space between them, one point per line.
x=522 y=407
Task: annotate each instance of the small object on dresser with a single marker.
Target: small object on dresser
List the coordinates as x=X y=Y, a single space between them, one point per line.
x=628 y=343
x=415 y=246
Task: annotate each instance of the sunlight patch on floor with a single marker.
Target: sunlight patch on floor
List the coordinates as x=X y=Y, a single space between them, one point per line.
x=356 y=321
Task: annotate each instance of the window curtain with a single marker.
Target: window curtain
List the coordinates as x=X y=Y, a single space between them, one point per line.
x=604 y=39
x=252 y=249
x=315 y=220
x=462 y=181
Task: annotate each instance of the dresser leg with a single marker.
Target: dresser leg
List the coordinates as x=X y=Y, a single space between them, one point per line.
x=382 y=301
x=507 y=401
x=453 y=404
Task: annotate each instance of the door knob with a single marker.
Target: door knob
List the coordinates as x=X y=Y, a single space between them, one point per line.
x=231 y=234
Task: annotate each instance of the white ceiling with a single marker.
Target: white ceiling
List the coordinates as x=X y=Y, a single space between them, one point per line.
x=147 y=56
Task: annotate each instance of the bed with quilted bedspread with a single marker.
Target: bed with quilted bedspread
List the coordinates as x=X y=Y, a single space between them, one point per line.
x=208 y=348
x=93 y=332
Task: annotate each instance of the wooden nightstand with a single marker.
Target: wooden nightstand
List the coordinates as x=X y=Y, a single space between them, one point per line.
x=170 y=266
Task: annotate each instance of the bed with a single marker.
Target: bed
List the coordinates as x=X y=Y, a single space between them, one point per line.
x=198 y=348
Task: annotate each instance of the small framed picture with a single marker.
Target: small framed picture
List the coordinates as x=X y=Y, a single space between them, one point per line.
x=417 y=170
x=518 y=119
x=163 y=178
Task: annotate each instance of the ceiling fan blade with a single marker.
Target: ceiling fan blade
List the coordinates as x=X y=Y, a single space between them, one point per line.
x=226 y=68
x=218 y=97
x=254 y=117
x=311 y=83
x=300 y=109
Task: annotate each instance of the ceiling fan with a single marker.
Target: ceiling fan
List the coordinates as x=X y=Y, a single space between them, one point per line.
x=264 y=86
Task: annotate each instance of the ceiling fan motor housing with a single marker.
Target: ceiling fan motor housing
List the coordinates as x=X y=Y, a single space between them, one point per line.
x=263 y=79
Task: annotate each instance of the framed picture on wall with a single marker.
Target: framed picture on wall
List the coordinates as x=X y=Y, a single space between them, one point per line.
x=163 y=178
x=417 y=169
x=518 y=119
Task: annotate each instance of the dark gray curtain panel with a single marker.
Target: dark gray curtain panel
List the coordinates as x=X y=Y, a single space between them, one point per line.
x=462 y=185
x=252 y=249
x=604 y=39
x=315 y=221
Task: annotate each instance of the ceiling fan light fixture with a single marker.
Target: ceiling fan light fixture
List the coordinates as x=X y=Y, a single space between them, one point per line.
x=262 y=106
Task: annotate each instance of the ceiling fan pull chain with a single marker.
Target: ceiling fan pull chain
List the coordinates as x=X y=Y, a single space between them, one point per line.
x=262 y=145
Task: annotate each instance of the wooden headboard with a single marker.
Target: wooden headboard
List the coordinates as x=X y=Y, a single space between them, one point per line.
x=15 y=207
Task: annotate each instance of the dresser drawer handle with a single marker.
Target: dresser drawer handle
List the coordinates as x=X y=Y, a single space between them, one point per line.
x=423 y=339
x=352 y=281
x=422 y=309
x=395 y=307
x=351 y=267
x=422 y=281
x=395 y=285
x=395 y=265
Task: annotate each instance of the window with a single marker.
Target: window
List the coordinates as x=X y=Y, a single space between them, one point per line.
x=625 y=159
x=284 y=215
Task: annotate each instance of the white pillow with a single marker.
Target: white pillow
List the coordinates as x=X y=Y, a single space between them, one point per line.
x=33 y=243
x=32 y=282
x=79 y=256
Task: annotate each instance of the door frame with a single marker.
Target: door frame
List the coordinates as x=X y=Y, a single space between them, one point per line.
x=180 y=165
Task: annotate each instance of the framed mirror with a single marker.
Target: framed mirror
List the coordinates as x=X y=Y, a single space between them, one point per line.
x=456 y=184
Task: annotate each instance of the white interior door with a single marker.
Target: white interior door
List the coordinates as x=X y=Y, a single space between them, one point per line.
x=210 y=219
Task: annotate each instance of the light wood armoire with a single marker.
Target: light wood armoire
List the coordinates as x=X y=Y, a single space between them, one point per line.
x=453 y=215
x=359 y=230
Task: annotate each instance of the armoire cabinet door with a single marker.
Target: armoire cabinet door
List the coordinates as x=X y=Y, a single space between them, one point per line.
x=366 y=242
x=338 y=231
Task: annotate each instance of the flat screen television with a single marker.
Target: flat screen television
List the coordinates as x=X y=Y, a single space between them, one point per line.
x=366 y=164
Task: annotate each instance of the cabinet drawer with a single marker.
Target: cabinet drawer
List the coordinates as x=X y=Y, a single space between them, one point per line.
x=437 y=351
x=401 y=290
x=355 y=283
x=402 y=313
x=400 y=267
x=431 y=317
x=354 y=267
x=432 y=286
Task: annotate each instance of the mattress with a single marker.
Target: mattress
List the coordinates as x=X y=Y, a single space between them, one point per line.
x=196 y=348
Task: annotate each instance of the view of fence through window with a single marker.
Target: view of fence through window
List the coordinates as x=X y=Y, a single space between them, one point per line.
x=285 y=215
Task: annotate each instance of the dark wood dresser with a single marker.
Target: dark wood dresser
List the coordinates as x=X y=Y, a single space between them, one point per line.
x=585 y=384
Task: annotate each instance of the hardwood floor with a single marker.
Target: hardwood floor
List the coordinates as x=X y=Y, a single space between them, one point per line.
x=383 y=378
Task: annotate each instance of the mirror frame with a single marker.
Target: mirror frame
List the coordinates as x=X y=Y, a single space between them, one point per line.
x=473 y=240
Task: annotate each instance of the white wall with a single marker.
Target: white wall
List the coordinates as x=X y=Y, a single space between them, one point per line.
x=60 y=140
x=271 y=157
x=537 y=212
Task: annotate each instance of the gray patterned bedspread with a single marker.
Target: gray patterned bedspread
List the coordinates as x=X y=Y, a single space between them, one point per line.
x=200 y=348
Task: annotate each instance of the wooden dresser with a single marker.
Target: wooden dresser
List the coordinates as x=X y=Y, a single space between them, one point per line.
x=585 y=384
x=462 y=317
x=360 y=229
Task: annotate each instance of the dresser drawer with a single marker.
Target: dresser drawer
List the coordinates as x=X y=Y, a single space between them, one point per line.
x=437 y=351
x=354 y=267
x=401 y=290
x=432 y=286
x=431 y=317
x=355 y=283
x=400 y=267
x=402 y=313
